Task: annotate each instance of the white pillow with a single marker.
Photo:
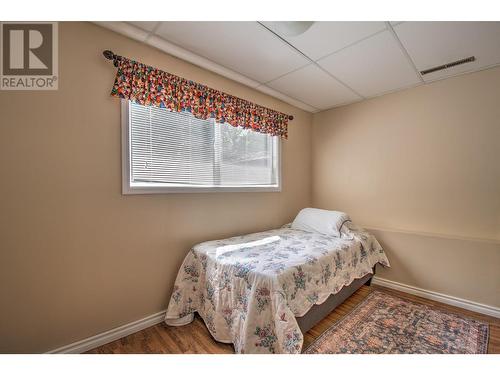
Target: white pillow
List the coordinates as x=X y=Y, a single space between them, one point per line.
x=321 y=221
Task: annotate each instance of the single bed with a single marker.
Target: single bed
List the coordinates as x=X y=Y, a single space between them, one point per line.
x=261 y=291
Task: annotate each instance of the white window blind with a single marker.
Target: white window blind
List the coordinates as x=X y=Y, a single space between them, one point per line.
x=174 y=151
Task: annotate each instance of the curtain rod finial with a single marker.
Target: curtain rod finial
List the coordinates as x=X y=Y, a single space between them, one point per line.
x=290 y=117
x=108 y=54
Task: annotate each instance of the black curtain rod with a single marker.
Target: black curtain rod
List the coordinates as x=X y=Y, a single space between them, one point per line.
x=110 y=55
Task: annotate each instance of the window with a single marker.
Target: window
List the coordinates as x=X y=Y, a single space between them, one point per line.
x=166 y=152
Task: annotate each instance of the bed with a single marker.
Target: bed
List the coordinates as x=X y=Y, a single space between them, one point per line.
x=261 y=291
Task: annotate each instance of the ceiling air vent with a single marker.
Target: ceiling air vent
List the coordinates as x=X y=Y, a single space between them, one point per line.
x=449 y=65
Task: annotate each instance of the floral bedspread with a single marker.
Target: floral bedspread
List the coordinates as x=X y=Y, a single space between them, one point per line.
x=249 y=289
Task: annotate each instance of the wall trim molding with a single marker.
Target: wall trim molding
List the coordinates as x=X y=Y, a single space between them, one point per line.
x=439 y=297
x=433 y=235
x=114 y=334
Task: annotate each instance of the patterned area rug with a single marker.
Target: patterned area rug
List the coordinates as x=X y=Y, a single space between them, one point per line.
x=383 y=323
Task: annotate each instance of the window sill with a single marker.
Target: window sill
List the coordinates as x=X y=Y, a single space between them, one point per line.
x=162 y=189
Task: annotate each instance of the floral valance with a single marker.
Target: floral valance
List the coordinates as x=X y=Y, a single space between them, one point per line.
x=147 y=85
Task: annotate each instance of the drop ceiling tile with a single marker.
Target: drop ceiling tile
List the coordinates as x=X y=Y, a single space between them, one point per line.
x=431 y=44
x=323 y=38
x=245 y=47
x=144 y=25
x=373 y=66
x=313 y=86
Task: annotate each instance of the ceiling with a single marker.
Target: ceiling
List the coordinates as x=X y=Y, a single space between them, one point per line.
x=332 y=63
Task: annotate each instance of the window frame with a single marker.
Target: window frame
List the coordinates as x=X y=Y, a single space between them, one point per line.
x=129 y=189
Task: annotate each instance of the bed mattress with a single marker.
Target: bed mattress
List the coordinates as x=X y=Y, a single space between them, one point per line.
x=250 y=289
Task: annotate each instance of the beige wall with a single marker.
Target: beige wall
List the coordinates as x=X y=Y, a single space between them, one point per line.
x=78 y=258
x=424 y=162
x=463 y=268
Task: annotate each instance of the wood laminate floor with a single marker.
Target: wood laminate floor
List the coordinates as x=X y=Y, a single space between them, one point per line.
x=195 y=338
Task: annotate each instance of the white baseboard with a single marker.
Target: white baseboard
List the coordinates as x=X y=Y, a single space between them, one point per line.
x=435 y=296
x=127 y=329
x=111 y=335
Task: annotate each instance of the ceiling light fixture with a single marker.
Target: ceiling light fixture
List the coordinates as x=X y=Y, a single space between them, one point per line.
x=291 y=28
